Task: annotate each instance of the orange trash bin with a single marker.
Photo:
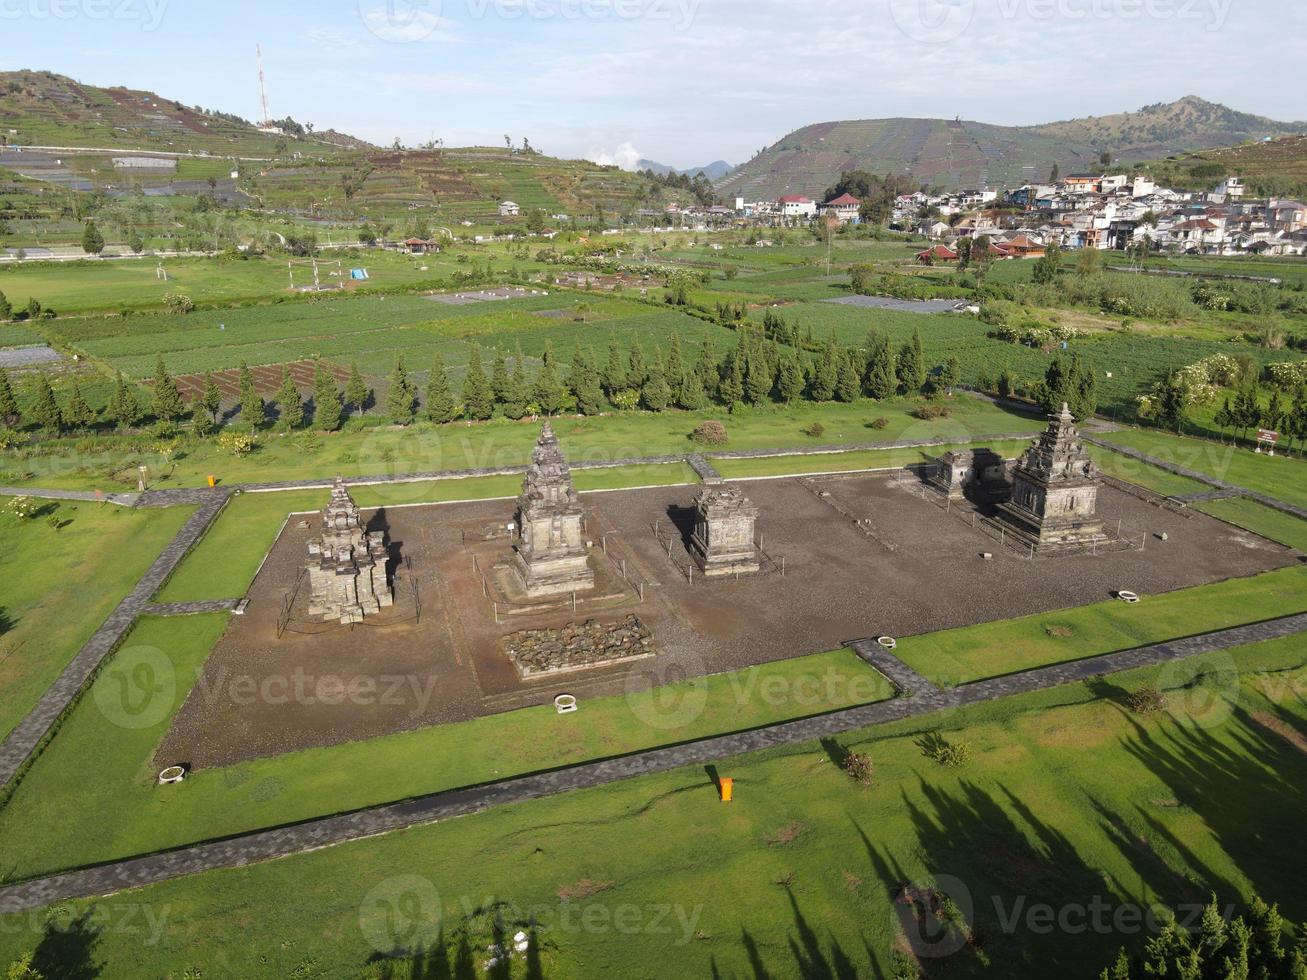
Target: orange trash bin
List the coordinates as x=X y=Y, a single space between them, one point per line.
x=212 y=482
x=728 y=787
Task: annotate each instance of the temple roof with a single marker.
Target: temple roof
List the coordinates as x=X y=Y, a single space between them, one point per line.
x=548 y=479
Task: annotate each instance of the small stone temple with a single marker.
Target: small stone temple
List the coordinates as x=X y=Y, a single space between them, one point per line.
x=1054 y=501
x=723 y=539
x=979 y=473
x=347 y=564
x=549 y=548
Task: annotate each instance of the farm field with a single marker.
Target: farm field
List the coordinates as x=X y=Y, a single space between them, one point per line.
x=64 y=571
x=1061 y=788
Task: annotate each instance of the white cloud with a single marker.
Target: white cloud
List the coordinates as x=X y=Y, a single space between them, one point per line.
x=625 y=156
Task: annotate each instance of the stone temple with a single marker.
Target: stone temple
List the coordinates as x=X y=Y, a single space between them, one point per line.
x=978 y=473
x=723 y=540
x=550 y=555
x=347 y=565
x=1054 y=501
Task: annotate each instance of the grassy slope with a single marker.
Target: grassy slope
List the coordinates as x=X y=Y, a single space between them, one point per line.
x=1259 y=519
x=1282 y=477
x=1067 y=798
x=98 y=767
x=60 y=585
x=502 y=443
x=743 y=469
x=960 y=656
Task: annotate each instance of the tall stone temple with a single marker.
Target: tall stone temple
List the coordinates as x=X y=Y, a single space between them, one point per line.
x=549 y=547
x=1054 y=499
x=347 y=564
x=723 y=539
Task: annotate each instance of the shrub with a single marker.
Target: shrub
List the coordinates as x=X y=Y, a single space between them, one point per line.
x=859 y=767
x=1147 y=700
x=710 y=433
x=237 y=443
x=880 y=423
x=178 y=303
x=930 y=412
x=24 y=508
x=950 y=755
x=816 y=430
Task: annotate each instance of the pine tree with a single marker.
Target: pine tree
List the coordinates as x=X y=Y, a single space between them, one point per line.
x=881 y=382
x=589 y=393
x=326 y=400
x=518 y=390
x=92 y=240
x=9 y=414
x=675 y=363
x=549 y=392
x=1085 y=389
x=791 y=379
x=614 y=377
x=290 y=408
x=124 y=409
x=1224 y=417
x=911 y=366
x=211 y=397
x=637 y=373
x=691 y=397
x=655 y=394
x=6 y=308
x=79 y=414
x=252 y=407
x=1056 y=387
x=500 y=380
x=758 y=379
x=1273 y=416
x=1298 y=415
x=825 y=374
x=1247 y=408
x=731 y=389
x=401 y=397
x=168 y=405
x=478 y=399
x=848 y=383
x=356 y=390
x=45 y=410
x=440 y=405
x=706 y=366
x=949 y=375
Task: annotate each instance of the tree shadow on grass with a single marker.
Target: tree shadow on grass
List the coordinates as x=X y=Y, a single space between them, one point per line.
x=811 y=958
x=67 y=950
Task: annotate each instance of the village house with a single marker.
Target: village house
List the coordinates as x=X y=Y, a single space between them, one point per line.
x=796 y=206
x=508 y=209
x=845 y=209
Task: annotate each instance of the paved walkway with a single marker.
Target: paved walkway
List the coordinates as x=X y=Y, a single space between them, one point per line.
x=190 y=608
x=1232 y=489
x=24 y=739
x=704 y=468
x=313 y=834
x=121 y=499
x=903 y=677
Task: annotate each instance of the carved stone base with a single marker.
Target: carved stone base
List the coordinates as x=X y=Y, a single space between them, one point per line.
x=1051 y=536
x=544 y=577
x=722 y=563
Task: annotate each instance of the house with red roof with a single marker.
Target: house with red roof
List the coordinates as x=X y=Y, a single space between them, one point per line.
x=845 y=209
x=938 y=253
x=797 y=206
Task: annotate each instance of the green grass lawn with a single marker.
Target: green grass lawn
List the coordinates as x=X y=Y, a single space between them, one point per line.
x=1281 y=477
x=59 y=585
x=1135 y=471
x=1260 y=519
x=426 y=448
x=93 y=791
x=1068 y=799
x=765 y=466
x=953 y=657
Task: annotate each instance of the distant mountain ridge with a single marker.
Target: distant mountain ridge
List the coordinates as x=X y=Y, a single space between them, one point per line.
x=957 y=153
x=714 y=171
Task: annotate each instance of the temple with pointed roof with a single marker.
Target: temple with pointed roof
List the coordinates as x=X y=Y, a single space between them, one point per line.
x=347 y=564
x=550 y=555
x=723 y=540
x=1054 y=502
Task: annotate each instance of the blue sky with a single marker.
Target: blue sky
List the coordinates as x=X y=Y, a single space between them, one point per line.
x=680 y=81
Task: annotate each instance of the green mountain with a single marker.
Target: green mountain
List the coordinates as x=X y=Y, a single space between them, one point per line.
x=40 y=108
x=960 y=153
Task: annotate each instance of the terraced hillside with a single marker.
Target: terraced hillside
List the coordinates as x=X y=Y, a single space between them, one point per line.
x=960 y=153
x=45 y=109
x=1272 y=167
